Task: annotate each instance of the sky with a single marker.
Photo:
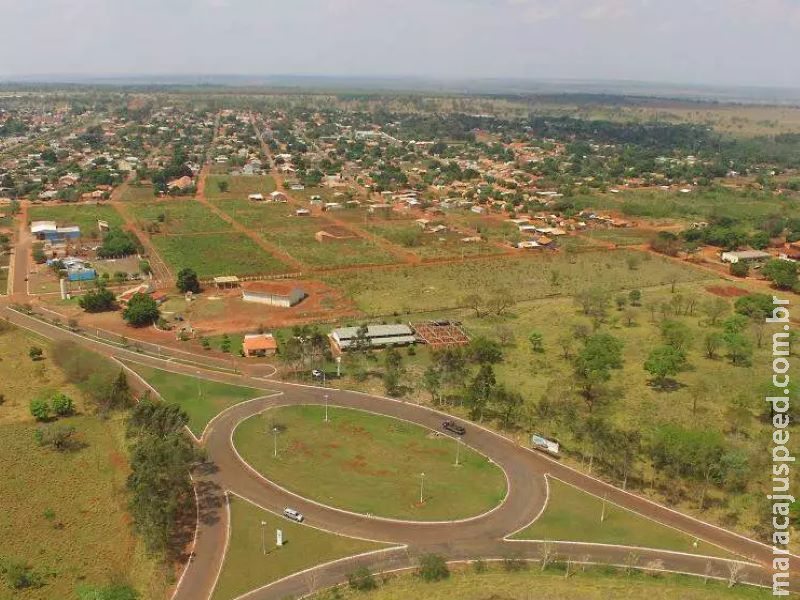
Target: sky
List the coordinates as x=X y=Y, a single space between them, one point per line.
x=715 y=42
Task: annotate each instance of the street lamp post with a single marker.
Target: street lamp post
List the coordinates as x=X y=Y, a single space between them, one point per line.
x=263 y=538
x=326 y=407
x=458 y=451
x=422 y=488
x=275 y=440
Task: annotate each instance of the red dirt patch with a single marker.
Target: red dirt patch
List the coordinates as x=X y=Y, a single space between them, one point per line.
x=726 y=291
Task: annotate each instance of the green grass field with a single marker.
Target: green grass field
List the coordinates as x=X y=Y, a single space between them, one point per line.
x=299 y=242
x=64 y=514
x=575 y=516
x=178 y=216
x=201 y=399
x=83 y=215
x=217 y=254
x=747 y=205
x=137 y=193
x=381 y=457
x=258 y=215
x=415 y=289
x=589 y=584
x=447 y=244
x=246 y=567
x=239 y=186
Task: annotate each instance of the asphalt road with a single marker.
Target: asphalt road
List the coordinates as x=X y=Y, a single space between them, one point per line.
x=480 y=537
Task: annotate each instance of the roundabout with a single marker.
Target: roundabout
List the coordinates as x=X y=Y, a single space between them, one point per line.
x=370 y=464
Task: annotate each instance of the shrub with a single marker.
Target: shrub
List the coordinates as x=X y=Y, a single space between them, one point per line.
x=58 y=437
x=739 y=269
x=432 y=567
x=20 y=575
x=142 y=310
x=62 y=405
x=111 y=592
x=40 y=409
x=362 y=580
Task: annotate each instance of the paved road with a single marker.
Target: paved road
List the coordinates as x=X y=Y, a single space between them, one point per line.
x=479 y=537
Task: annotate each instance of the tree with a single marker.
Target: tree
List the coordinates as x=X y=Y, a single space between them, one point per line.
x=142 y=310
x=433 y=567
x=225 y=344
x=161 y=458
x=757 y=306
x=664 y=362
x=432 y=382
x=635 y=297
x=740 y=349
x=592 y=366
x=62 y=405
x=98 y=300
x=712 y=343
x=222 y=185
x=536 y=340
x=782 y=273
x=480 y=391
x=187 y=281
x=40 y=409
x=676 y=334
x=509 y=403
x=485 y=351
x=740 y=269
x=715 y=308
x=35 y=353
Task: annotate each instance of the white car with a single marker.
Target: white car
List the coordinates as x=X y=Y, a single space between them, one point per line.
x=292 y=514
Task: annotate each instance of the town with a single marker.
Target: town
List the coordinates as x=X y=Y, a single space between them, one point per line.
x=324 y=344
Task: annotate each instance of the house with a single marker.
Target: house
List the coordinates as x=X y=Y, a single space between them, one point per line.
x=302 y=212
x=377 y=336
x=259 y=344
x=273 y=293
x=747 y=256
x=278 y=197
x=49 y=231
x=225 y=282
x=256 y=197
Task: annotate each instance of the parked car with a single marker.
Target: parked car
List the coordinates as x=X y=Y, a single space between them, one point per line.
x=454 y=427
x=316 y=373
x=292 y=514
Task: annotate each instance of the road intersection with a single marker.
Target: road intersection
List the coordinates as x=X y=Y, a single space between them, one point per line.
x=485 y=536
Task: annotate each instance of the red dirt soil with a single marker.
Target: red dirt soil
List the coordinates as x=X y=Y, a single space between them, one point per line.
x=727 y=291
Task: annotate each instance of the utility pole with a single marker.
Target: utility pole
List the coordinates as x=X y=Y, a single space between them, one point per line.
x=275 y=439
x=422 y=488
x=603 y=513
x=458 y=452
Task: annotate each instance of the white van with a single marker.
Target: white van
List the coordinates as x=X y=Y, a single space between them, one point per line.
x=292 y=514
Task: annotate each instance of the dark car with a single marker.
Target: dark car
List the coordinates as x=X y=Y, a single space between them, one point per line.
x=454 y=427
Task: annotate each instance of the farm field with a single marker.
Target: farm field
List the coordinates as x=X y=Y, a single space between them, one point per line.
x=83 y=215
x=213 y=255
x=298 y=241
x=592 y=583
x=239 y=186
x=137 y=193
x=258 y=215
x=383 y=458
x=426 y=245
x=435 y=287
x=621 y=237
x=246 y=567
x=201 y=399
x=178 y=217
x=575 y=516
x=55 y=503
